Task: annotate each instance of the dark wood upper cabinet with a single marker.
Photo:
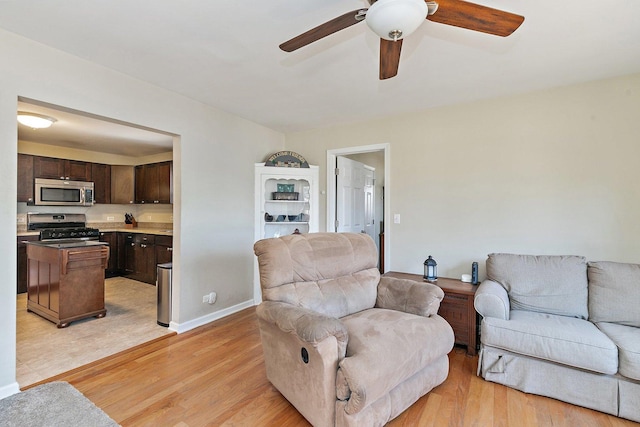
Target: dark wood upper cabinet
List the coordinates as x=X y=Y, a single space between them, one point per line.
x=101 y=175
x=153 y=183
x=122 y=187
x=25 y=178
x=53 y=168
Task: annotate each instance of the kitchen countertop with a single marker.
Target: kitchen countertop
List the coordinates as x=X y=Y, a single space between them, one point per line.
x=142 y=230
x=64 y=244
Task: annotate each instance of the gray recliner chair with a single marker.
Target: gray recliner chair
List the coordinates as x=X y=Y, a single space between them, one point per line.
x=343 y=345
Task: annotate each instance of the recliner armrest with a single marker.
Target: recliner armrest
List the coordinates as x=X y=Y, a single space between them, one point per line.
x=492 y=300
x=308 y=325
x=409 y=296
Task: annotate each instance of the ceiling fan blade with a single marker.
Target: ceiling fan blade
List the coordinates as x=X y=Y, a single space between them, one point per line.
x=476 y=17
x=389 y=58
x=324 y=30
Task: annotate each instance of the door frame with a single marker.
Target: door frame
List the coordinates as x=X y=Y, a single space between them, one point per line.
x=331 y=189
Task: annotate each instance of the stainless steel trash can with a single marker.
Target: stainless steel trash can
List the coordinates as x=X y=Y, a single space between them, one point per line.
x=163 y=287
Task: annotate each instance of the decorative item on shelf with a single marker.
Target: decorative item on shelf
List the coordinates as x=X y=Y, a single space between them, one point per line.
x=296 y=231
x=280 y=218
x=286 y=188
x=129 y=221
x=292 y=218
x=430 y=270
x=287 y=159
x=474 y=273
x=268 y=217
x=281 y=195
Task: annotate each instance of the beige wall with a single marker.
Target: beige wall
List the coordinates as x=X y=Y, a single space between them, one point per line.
x=551 y=172
x=213 y=156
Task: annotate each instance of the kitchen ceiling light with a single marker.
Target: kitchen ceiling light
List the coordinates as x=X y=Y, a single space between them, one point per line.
x=35 y=121
x=396 y=19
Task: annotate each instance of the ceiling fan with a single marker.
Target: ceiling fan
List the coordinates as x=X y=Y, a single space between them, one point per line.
x=393 y=20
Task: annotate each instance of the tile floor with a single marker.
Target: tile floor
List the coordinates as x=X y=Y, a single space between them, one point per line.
x=43 y=350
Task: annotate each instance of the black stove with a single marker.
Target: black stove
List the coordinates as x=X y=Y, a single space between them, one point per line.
x=61 y=227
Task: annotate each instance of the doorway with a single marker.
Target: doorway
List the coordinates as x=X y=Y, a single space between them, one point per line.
x=82 y=138
x=382 y=210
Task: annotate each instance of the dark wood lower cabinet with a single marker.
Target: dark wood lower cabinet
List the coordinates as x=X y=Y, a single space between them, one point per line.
x=67 y=284
x=22 y=262
x=140 y=257
x=113 y=267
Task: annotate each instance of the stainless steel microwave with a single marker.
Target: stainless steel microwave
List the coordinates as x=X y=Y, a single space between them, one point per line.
x=61 y=192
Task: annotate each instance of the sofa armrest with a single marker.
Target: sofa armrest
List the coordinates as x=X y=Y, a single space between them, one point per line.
x=409 y=296
x=310 y=326
x=492 y=300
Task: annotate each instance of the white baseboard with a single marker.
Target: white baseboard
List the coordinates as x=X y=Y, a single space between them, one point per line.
x=9 y=390
x=200 y=321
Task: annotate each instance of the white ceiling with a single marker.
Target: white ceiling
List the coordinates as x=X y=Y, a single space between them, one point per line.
x=82 y=131
x=225 y=53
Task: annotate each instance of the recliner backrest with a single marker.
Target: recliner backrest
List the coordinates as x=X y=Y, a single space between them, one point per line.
x=331 y=273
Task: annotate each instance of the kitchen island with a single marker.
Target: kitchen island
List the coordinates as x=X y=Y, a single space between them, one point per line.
x=65 y=280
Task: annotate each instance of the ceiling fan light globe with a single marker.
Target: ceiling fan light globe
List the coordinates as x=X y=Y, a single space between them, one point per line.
x=389 y=17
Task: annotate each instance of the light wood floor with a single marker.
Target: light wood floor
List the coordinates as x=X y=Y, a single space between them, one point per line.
x=43 y=350
x=214 y=376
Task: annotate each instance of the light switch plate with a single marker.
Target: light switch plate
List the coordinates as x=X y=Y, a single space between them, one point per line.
x=396 y=218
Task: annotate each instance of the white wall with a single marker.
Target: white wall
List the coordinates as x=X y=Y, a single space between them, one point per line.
x=551 y=172
x=213 y=171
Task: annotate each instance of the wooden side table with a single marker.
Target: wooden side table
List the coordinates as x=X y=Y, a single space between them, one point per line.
x=456 y=307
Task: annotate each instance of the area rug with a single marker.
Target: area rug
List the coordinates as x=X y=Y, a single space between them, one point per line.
x=54 y=404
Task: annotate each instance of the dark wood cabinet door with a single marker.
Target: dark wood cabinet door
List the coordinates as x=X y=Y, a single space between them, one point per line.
x=140 y=184
x=164 y=249
x=48 y=167
x=111 y=238
x=122 y=184
x=22 y=263
x=77 y=170
x=101 y=176
x=165 y=170
x=25 y=178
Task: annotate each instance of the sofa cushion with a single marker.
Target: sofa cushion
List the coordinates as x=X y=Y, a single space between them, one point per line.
x=546 y=284
x=614 y=292
x=567 y=340
x=627 y=338
x=385 y=348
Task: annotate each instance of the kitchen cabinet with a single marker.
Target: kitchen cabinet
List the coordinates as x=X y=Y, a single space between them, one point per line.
x=66 y=283
x=54 y=168
x=101 y=176
x=111 y=238
x=21 y=284
x=164 y=249
x=25 y=178
x=153 y=183
x=140 y=257
x=122 y=184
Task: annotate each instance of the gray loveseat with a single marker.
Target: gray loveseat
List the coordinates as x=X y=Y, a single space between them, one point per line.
x=560 y=327
x=343 y=345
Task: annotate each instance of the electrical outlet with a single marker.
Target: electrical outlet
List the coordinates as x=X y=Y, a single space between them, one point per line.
x=205 y=298
x=22 y=219
x=111 y=218
x=212 y=297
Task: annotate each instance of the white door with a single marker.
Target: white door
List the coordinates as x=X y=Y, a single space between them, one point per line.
x=350 y=198
x=370 y=202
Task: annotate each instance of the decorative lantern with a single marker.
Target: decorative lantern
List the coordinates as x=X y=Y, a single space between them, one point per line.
x=430 y=270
